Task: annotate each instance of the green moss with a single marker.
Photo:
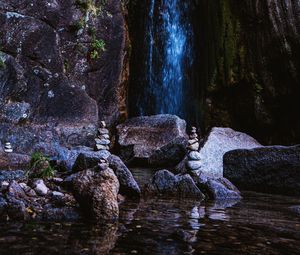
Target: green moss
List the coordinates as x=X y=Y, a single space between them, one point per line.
x=40 y=167
x=98 y=46
x=66 y=66
x=2 y=61
x=89 y=6
x=2 y=64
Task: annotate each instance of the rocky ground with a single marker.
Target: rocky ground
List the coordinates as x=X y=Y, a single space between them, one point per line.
x=86 y=182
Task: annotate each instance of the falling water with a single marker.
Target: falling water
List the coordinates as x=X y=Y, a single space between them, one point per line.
x=169 y=49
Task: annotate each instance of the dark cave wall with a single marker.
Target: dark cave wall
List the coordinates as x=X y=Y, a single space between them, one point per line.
x=62 y=69
x=248 y=76
x=246 y=66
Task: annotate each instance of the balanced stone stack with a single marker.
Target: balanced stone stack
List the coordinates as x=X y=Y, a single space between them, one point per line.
x=102 y=143
x=193 y=162
x=8 y=148
x=102 y=139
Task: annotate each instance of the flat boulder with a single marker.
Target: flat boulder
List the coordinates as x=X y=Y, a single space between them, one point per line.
x=272 y=169
x=218 y=142
x=158 y=140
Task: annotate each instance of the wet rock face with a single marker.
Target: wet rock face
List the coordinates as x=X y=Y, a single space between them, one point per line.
x=273 y=169
x=250 y=67
x=157 y=140
x=58 y=61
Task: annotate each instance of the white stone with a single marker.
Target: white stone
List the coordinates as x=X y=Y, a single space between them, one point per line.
x=103 y=131
x=194 y=155
x=40 y=187
x=57 y=180
x=102 y=141
x=194 y=147
x=193 y=136
x=105 y=136
x=194 y=165
x=102 y=124
x=101 y=147
x=220 y=141
x=24 y=186
x=58 y=194
x=4 y=185
x=192 y=141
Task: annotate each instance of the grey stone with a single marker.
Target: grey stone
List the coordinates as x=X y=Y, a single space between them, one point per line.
x=194 y=155
x=89 y=159
x=128 y=185
x=40 y=187
x=166 y=183
x=218 y=142
x=193 y=165
x=163 y=135
x=272 y=169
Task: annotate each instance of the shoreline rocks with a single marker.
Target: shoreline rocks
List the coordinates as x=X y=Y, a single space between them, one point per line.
x=166 y=183
x=37 y=199
x=96 y=191
x=272 y=169
x=218 y=142
x=192 y=186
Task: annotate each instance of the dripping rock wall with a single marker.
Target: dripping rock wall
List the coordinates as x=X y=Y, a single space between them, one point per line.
x=246 y=66
x=249 y=66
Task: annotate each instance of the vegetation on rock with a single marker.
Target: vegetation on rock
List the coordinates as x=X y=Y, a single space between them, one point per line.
x=40 y=167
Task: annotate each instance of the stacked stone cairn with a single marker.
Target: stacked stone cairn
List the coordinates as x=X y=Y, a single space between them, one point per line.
x=193 y=162
x=102 y=143
x=8 y=148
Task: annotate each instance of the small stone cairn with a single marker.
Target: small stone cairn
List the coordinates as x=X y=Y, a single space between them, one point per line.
x=193 y=162
x=8 y=148
x=102 y=143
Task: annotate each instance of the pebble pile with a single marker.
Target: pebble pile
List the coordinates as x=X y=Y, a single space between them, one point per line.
x=193 y=162
x=102 y=143
x=8 y=148
x=102 y=139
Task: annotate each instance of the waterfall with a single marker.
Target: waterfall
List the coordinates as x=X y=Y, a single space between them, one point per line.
x=168 y=43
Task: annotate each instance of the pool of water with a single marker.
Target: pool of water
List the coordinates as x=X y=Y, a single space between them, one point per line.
x=259 y=224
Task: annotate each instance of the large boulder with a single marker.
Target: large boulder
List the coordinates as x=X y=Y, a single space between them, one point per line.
x=273 y=169
x=96 y=192
x=159 y=140
x=182 y=186
x=89 y=159
x=128 y=185
x=218 y=142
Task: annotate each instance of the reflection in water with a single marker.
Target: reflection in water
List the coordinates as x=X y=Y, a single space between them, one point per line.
x=259 y=224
